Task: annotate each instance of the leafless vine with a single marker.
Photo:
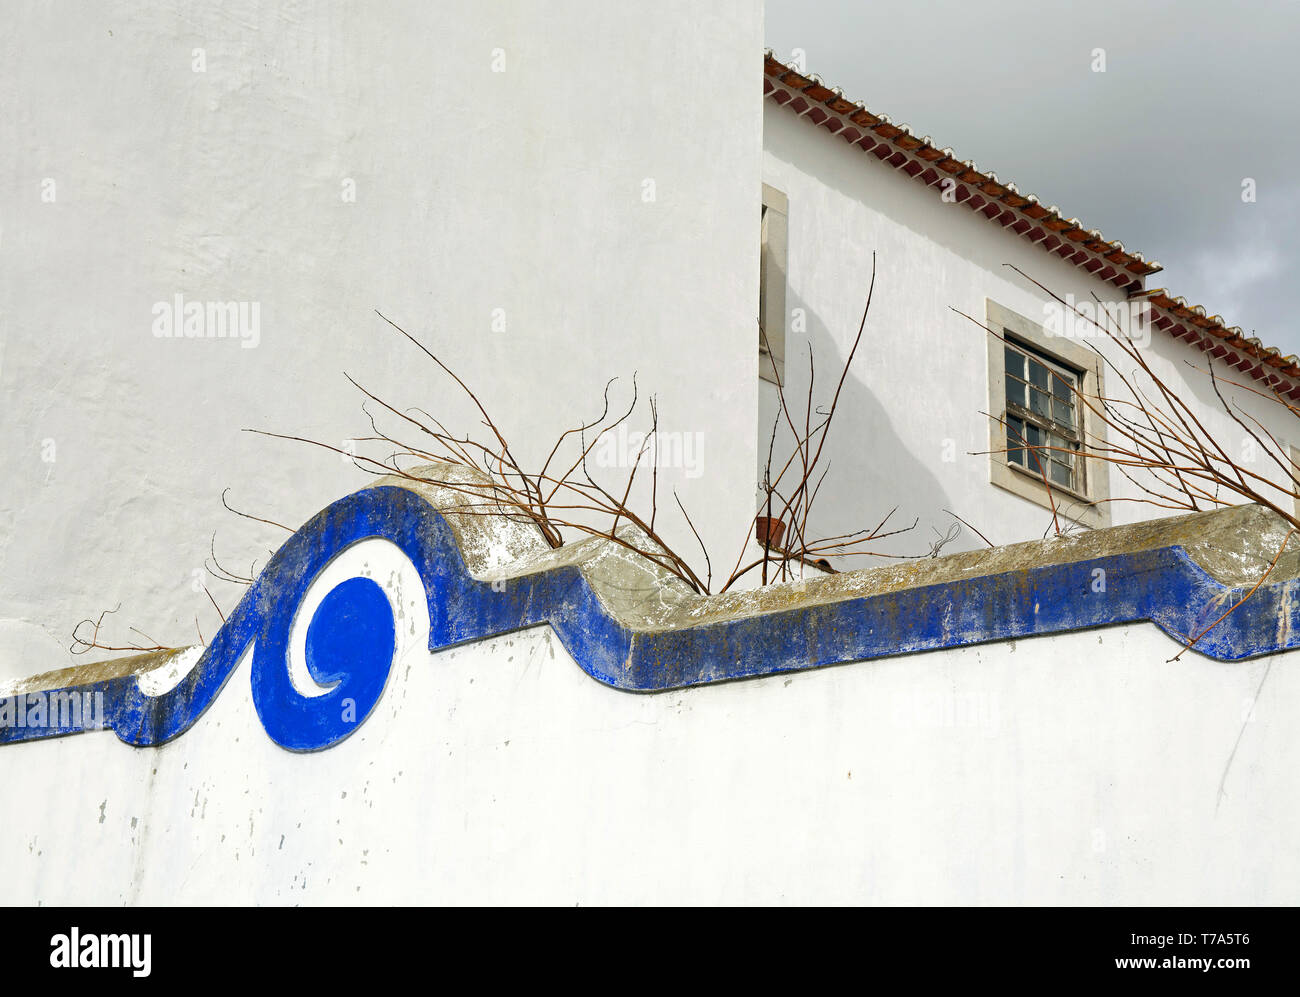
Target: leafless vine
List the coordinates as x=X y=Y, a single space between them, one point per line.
x=563 y=497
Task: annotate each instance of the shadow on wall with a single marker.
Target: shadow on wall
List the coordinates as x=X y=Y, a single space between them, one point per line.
x=870 y=468
x=876 y=462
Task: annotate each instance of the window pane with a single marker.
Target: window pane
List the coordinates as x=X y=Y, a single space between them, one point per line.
x=1038 y=402
x=1035 y=458
x=1062 y=413
x=1061 y=385
x=1014 y=454
x=1015 y=390
x=1038 y=375
x=1015 y=361
x=1061 y=474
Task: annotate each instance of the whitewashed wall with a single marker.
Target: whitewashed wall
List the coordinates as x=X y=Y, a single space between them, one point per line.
x=521 y=190
x=913 y=407
x=1036 y=771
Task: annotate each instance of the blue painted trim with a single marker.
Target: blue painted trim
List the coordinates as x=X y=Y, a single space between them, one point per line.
x=1162 y=585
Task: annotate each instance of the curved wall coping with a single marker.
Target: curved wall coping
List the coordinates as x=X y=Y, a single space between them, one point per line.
x=633 y=625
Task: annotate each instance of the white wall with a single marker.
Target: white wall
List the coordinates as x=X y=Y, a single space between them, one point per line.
x=918 y=391
x=1083 y=768
x=1035 y=771
x=475 y=190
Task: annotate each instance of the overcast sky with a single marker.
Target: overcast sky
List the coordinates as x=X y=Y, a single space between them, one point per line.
x=1196 y=96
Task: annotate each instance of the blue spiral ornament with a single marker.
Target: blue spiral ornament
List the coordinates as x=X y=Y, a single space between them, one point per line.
x=351 y=640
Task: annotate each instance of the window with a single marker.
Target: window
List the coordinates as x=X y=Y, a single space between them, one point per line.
x=1039 y=425
x=1041 y=412
x=771 y=284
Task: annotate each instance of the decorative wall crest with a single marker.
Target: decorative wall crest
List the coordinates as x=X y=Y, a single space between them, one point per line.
x=664 y=637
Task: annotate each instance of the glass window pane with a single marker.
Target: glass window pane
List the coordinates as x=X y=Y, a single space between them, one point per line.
x=1038 y=375
x=1061 y=385
x=1014 y=454
x=1062 y=413
x=1015 y=361
x=1038 y=402
x=1015 y=390
x=1033 y=435
x=1060 y=474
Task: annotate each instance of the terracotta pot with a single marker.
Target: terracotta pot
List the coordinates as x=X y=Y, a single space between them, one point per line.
x=769 y=531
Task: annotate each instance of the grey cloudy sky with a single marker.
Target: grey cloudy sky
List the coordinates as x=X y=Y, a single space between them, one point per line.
x=1196 y=97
